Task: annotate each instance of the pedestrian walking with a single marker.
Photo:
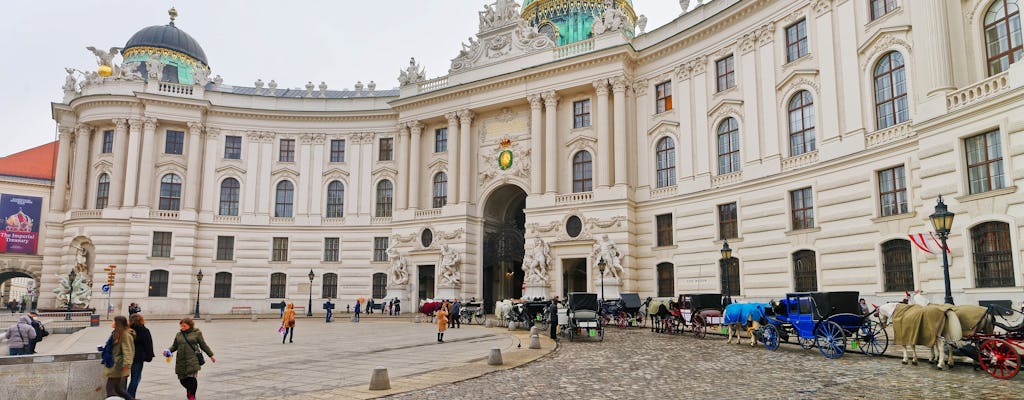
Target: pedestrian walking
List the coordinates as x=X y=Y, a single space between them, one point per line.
x=41 y=332
x=442 y=321
x=330 y=310
x=391 y=305
x=369 y=306
x=190 y=359
x=553 y=317
x=398 y=306
x=118 y=355
x=19 y=336
x=355 y=318
x=288 y=322
x=453 y=320
x=143 y=350
x=134 y=309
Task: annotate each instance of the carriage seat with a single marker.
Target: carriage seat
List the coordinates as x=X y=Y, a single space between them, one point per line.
x=584 y=314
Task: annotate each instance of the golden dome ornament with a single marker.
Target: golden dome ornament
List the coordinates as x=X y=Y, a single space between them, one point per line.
x=105 y=71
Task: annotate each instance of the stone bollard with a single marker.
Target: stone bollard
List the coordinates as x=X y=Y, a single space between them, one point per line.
x=488 y=323
x=209 y=318
x=495 y=357
x=534 y=341
x=416 y=319
x=533 y=330
x=379 y=380
x=255 y=318
x=512 y=326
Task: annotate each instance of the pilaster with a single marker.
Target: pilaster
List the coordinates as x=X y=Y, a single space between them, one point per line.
x=536 y=145
x=60 y=180
x=80 y=183
x=146 y=162
x=402 y=186
x=131 y=178
x=465 y=151
x=604 y=135
x=550 y=142
x=116 y=198
x=454 y=151
x=194 y=166
x=619 y=86
x=414 y=168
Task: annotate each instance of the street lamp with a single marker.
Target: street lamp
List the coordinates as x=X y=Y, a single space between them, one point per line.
x=309 y=308
x=71 y=284
x=199 y=282
x=942 y=221
x=726 y=255
x=601 y=265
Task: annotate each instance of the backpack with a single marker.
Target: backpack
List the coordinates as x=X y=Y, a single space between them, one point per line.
x=107 y=353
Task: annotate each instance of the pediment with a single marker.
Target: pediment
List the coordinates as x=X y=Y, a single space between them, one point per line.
x=103 y=164
x=388 y=170
x=437 y=164
x=797 y=75
x=285 y=170
x=335 y=172
x=883 y=36
x=230 y=169
x=580 y=141
x=671 y=126
x=727 y=106
x=171 y=163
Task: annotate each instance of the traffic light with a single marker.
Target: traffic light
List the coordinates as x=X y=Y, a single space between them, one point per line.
x=110 y=274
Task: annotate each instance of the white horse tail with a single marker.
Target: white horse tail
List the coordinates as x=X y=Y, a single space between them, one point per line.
x=953 y=332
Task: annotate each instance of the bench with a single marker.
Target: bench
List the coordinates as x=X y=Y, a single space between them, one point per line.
x=300 y=311
x=241 y=310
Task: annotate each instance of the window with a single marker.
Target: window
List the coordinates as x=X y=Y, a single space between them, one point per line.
x=385 y=192
x=801 y=124
x=286 y=152
x=663 y=97
x=728 y=146
x=175 y=142
x=170 y=192
x=665 y=162
x=892 y=191
x=726 y=70
x=581 y=113
x=666 y=280
x=984 y=162
x=108 y=142
x=441 y=140
x=332 y=247
x=225 y=248
x=805 y=271
x=663 y=224
x=284 y=199
x=280 y=250
x=803 y=209
x=993 y=259
x=730 y=268
x=233 y=148
x=890 y=91
x=727 y=226
x=440 y=197
x=158 y=279
x=229 y=189
x=582 y=173
x=380 y=249
x=898 y=266
x=881 y=7
x=222 y=285
x=338 y=150
x=796 y=40
x=384 y=152
x=102 y=191
x=161 y=244
x=278 y=284
x=1003 y=35
x=380 y=284
x=330 y=286
x=335 y=200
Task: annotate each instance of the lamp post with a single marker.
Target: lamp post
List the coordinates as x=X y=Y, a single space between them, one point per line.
x=726 y=255
x=309 y=308
x=601 y=265
x=942 y=221
x=199 y=282
x=71 y=284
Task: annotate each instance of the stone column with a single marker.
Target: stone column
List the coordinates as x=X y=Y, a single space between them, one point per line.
x=465 y=149
x=131 y=177
x=60 y=180
x=120 y=157
x=80 y=181
x=750 y=135
x=402 y=186
x=317 y=189
x=413 y=167
x=192 y=171
x=536 y=144
x=146 y=165
x=453 y=156
x=550 y=142
x=699 y=93
x=619 y=85
x=303 y=191
x=826 y=109
x=265 y=191
x=932 y=21
x=211 y=191
x=248 y=203
x=604 y=136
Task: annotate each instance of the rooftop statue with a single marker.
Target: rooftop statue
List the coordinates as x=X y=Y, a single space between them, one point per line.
x=105 y=59
x=411 y=74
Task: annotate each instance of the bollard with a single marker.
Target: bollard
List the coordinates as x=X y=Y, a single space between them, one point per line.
x=534 y=341
x=209 y=318
x=254 y=318
x=416 y=319
x=488 y=323
x=533 y=330
x=495 y=357
x=511 y=326
x=379 y=380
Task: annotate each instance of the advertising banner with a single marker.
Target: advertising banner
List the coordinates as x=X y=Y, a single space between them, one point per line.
x=19 y=223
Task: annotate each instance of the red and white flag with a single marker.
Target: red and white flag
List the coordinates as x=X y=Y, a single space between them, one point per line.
x=929 y=243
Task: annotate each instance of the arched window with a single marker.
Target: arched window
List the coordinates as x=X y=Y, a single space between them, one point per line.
x=170 y=192
x=897 y=265
x=582 y=172
x=229 y=189
x=335 y=200
x=102 y=191
x=805 y=271
x=278 y=284
x=1003 y=35
x=222 y=285
x=385 y=194
x=158 y=279
x=665 y=163
x=330 y=290
x=993 y=257
x=728 y=146
x=666 y=280
x=891 y=91
x=801 y=123
x=380 y=282
x=730 y=268
x=440 y=197
x=285 y=198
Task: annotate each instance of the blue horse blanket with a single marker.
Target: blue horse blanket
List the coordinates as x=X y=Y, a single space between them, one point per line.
x=740 y=313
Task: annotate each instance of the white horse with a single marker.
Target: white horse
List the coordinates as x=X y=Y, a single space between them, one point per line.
x=948 y=330
x=501 y=311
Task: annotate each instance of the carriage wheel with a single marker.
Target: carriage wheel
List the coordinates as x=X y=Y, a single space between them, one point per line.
x=872 y=338
x=572 y=332
x=700 y=329
x=830 y=339
x=622 y=320
x=640 y=320
x=806 y=343
x=600 y=333
x=999 y=359
x=770 y=337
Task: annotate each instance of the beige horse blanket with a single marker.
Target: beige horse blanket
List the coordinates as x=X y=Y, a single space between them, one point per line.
x=918 y=325
x=970 y=316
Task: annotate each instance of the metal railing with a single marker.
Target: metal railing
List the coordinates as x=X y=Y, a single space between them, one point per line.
x=55 y=322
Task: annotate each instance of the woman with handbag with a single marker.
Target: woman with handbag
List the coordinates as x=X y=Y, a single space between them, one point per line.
x=121 y=347
x=143 y=350
x=288 y=322
x=190 y=360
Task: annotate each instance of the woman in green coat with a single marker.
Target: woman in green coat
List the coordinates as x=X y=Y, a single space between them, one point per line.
x=186 y=364
x=122 y=349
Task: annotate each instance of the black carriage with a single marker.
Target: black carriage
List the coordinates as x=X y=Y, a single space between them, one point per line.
x=825 y=320
x=471 y=312
x=698 y=311
x=584 y=321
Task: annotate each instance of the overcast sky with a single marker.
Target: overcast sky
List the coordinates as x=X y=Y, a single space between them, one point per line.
x=339 y=42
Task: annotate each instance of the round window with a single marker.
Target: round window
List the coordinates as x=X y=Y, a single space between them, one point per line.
x=427 y=237
x=573 y=226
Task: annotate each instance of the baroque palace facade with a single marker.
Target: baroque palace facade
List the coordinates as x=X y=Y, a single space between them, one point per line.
x=814 y=136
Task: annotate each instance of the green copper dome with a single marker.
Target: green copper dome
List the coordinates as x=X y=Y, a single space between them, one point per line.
x=570 y=21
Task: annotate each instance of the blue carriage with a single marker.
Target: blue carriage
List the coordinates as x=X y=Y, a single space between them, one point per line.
x=827 y=320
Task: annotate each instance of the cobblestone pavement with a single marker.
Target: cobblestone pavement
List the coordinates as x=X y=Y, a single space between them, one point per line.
x=638 y=364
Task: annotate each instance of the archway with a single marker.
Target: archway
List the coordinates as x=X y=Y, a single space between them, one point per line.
x=20 y=286
x=504 y=237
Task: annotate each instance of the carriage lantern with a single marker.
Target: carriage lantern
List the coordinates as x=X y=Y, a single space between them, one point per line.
x=601 y=265
x=942 y=221
x=726 y=255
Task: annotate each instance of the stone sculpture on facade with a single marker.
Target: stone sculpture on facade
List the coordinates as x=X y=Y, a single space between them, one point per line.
x=70 y=82
x=105 y=60
x=497 y=14
x=503 y=34
x=537 y=262
x=81 y=292
x=450 y=275
x=605 y=249
x=411 y=74
x=398 y=273
x=641 y=24
x=612 y=19
x=154 y=67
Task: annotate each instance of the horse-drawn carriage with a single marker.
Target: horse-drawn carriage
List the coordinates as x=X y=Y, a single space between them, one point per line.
x=998 y=352
x=696 y=311
x=471 y=312
x=824 y=320
x=528 y=314
x=628 y=311
x=584 y=321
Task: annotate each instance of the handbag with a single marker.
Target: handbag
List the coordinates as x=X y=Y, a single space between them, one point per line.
x=195 y=349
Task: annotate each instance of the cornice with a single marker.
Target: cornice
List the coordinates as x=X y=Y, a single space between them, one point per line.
x=725 y=20
x=322 y=116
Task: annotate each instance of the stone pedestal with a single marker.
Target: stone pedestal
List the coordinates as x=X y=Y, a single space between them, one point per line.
x=536 y=290
x=611 y=288
x=447 y=292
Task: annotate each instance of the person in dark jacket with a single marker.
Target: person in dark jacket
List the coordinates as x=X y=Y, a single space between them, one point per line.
x=143 y=350
x=20 y=335
x=41 y=332
x=134 y=309
x=453 y=319
x=186 y=364
x=553 y=317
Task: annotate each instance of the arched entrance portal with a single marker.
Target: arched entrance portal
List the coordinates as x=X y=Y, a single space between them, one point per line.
x=20 y=286
x=504 y=236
